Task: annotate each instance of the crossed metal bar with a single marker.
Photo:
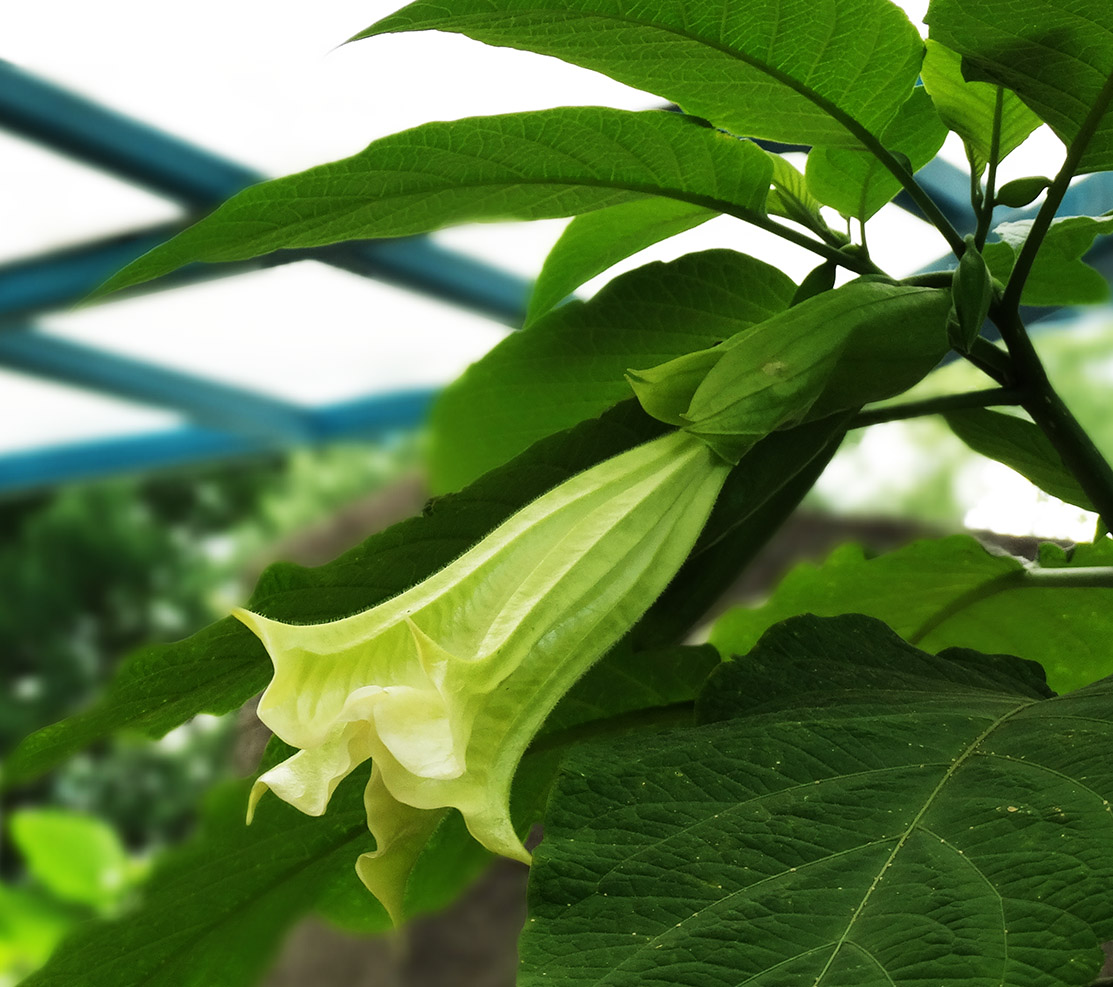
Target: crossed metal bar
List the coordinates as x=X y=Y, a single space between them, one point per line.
x=228 y=421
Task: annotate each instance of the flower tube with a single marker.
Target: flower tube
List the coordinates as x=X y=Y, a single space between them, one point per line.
x=444 y=686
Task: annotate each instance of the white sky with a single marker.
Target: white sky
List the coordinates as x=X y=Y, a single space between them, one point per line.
x=265 y=84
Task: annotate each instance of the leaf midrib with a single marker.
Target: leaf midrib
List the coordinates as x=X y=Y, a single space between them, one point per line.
x=865 y=137
x=971 y=749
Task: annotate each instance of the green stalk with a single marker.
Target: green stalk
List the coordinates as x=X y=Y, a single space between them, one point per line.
x=985 y=211
x=988 y=398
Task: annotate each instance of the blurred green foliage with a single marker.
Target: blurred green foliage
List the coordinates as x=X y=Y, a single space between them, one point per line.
x=87 y=574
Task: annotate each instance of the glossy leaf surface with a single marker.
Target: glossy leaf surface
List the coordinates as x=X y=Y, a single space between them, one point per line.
x=596 y=241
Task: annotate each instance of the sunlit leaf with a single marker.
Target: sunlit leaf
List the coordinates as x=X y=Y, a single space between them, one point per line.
x=1059 y=276
x=855 y=182
x=788 y=70
x=953 y=593
x=969 y=108
x=519 y=166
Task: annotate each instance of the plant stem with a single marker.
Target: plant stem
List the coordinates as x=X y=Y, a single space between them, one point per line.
x=1042 y=402
x=991 y=360
x=852 y=261
x=985 y=212
x=1055 y=193
x=933 y=406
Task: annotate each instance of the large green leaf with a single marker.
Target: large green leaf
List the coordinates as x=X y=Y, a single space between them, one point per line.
x=522 y=166
x=1021 y=445
x=969 y=108
x=1056 y=55
x=789 y=70
x=835 y=351
x=867 y=816
x=1059 y=276
x=571 y=365
x=596 y=241
x=952 y=592
x=855 y=182
x=221 y=667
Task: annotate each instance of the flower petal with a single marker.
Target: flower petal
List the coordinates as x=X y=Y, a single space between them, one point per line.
x=308 y=778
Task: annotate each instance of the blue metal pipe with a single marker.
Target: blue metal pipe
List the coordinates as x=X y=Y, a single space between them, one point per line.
x=238 y=411
x=353 y=420
x=77 y=126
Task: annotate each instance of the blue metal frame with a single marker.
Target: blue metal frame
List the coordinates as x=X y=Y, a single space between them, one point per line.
x=371 y=417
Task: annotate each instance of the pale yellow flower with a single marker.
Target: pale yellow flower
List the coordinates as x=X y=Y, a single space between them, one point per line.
x=444 y=686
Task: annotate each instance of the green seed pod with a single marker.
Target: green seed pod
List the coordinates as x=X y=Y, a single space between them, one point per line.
x=1021 y=191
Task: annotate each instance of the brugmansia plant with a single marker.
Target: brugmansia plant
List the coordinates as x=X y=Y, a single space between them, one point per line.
x=897 y=771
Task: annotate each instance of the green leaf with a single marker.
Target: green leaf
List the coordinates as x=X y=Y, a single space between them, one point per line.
x=1056 y=55
x=522 y=166
x=951 y=592
x=221 y=667
x=214 y=910
x=31 y=926
x=869 y=816
x=76 y=857
x=1059 y=276
x=819 y=280
x=968 y=108
x=855 y=182
x=570 y=366
x=1020 y=445
x=833 y=352
x=789 y=198
x=788 y=70
x=630 y=681
x=596 y=241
